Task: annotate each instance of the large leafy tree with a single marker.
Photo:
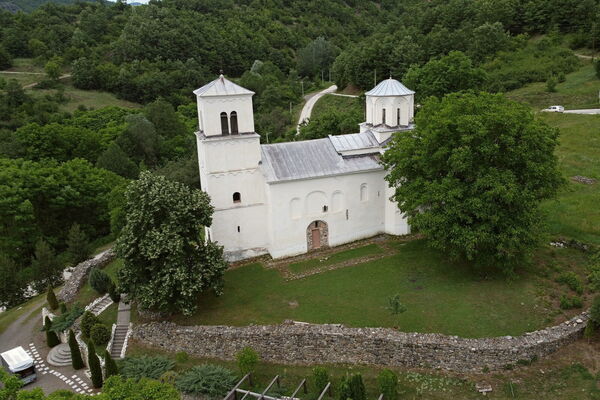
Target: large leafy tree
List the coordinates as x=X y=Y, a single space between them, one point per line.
x=472 y=176
x=166 y=261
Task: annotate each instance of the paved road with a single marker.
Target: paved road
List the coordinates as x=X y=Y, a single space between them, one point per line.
x=310 y=102
x=25 y=332
x=589 y=111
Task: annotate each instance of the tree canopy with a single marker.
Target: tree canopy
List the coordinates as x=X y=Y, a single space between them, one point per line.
x=472 y=175
x=167 y=263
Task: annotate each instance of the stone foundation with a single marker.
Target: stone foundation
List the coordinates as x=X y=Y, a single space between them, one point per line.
x=306 y=344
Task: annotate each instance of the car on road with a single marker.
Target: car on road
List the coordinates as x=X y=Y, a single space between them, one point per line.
x=19 y=363
x=558 y=109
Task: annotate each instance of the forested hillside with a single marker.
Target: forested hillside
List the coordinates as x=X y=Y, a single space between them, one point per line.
x=157 y=54
x=30 y=5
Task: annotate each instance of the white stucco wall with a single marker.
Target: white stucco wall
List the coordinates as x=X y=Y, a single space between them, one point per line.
x=375 y=105
x=292 y=206
x=210 y=109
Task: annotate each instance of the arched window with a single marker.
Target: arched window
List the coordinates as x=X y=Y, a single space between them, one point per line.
x=224 y=124
x=233 y=123
x=364 y=192
x=398 y=117
x=383 y=116
x=237 y=197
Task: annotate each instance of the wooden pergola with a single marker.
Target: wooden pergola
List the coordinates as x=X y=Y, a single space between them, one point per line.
x=241 y=394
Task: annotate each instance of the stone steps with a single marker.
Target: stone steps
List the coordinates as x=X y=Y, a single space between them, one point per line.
x=60 y=356
x=101 y=306
x=119 y=340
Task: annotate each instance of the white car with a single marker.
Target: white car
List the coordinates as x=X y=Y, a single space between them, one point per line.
x=554 y=109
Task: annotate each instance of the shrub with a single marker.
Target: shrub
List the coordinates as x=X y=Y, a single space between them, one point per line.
x=321 y=378
x=357 y=387
x=169 y=377
x=110 y=367
x=595 y=311
x=594 y=278
x=62 y=307
x=567 y=303
x=113 y=293
x=66 y=320
x=94 y=364
x=99 y=281
x=551 y=84
x=210 y=380
x=590 y=330
x=100 y=334
x=145 y=367
x=51 y=299
x=76 y=360
x=247 y=359
x=395 y=306
x=51 y=337
x=388 y=384
x=87 y=322
x=182 y=357
x=572 y=281
x=344 y=391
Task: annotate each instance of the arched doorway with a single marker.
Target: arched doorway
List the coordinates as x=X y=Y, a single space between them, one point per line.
x=317 y=235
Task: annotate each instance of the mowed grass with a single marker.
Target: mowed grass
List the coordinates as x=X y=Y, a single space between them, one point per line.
x=575 y=212
x=345 y=255
x=87 y=98
x=579 y=90
x=440 y=297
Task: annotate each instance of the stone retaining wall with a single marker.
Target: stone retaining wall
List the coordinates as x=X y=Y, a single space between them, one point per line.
x=80 y=273
x=299 y=343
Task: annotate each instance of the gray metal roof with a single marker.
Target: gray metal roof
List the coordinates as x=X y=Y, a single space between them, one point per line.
x=221 y=87
x=389 y=87
x=354 y=141
x=311 y=159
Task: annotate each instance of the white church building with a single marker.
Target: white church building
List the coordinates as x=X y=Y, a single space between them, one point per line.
x=289 y=198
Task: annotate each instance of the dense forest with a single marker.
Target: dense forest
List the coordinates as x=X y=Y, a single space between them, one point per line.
x=62 y=169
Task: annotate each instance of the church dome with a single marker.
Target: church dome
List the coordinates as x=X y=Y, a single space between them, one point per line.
x=389 y=87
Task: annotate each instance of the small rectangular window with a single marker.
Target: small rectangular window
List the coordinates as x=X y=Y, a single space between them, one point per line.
x=325 y=208
x=238 y=228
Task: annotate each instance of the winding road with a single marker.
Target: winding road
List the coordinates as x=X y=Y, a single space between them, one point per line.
x=311 y=100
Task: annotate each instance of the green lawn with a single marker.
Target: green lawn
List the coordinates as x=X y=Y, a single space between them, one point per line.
x=440 y=297
x=345 y=255
x=330 y=103
x=88 y=98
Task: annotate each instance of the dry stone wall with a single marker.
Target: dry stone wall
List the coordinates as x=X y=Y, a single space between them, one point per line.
x=299 y=343
x=80 y=273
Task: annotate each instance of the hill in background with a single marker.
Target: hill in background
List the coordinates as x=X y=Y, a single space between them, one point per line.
x=30 y=5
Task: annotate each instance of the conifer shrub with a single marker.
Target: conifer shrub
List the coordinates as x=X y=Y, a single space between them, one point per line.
x=62 y=307
x=145 y=367
x=87 y=322
x=113 y=292
x=209 y=380
x=76 y=360
x=321 y=377
x=66 y=320
x=247 y=359
x=51 y=299
x=357 y=387
x=78 y=246
x=110 y=366
x=100 y=281
x=344 y=391
x=100 y=335
x=388 y=384
x=51 y=336
x=94 y=364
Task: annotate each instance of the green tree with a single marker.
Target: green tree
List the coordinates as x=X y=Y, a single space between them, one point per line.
x=78 y=245
x=388 y=384
x=472 y=176
x=140 y=140
x=76 y=360
x=166 y=261
x=114 y=159
x=52 y=69
x=46 y=268
x=247 y=359
x=5 y=58
x=12 y=284
x=317 y=56
x=94 y=364
x=51 y=336
x=164 y=118
x=452 y=73
x=110 y=366
x=15 y=95
x=100 y=281
x=51 y=299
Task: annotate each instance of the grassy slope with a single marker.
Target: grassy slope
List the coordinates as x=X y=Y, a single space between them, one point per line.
x=440 y=297
x=330 y=103
x=87 y=294
x=307 y=265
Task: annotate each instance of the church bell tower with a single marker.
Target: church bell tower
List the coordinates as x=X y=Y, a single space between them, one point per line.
x=229 y=157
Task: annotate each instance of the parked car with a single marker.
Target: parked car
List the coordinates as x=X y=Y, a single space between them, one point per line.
x=18 y=362
x=554 y=109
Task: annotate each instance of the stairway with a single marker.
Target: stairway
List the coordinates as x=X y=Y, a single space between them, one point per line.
x=123 y=318
x=60 y=356
x=101 y=305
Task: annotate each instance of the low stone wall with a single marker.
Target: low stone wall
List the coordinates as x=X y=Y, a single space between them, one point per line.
x=80 y=273
x=298 y=343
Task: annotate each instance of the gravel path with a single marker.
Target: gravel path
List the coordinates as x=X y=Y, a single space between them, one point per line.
x=310 y=102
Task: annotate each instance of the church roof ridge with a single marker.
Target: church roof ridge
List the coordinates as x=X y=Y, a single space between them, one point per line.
x=221 y=87
x=389 y=87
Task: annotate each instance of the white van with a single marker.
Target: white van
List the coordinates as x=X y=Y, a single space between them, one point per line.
x=18 y=362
